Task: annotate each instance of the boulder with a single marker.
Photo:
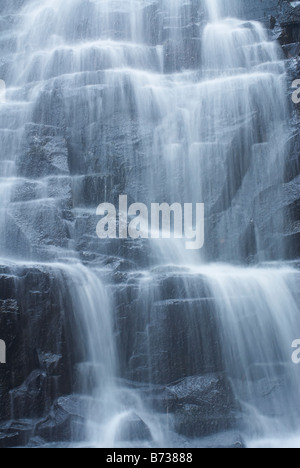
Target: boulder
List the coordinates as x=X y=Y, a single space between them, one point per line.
x=65 y=422
x=133 y=428
x=223 y=440
x=201 y=405
x=164 y=337
x=16 y=433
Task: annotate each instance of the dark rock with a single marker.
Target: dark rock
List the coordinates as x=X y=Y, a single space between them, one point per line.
x=212 y=392
x=133 y=428
x=36 y=442
x=52 y=363
x=202 y=405
x=180 y=55
x=290 y=22
x=9 y=440
x=46 y=153
x=224 y=440
x=152 y=22
x=32 y=323
x=77 y=154
x=291 y=16
x=272 y=22
x=157 y=342
x=64 y=423
x=291 y=50
x=269 y=395
x=191 y=422
x=16 y=433
x=259 y=10
x=31 y=398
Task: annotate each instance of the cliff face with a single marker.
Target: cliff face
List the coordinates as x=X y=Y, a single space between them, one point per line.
x=33 y=322
x=68 y=161
x=283 y=22
x=79 y=167
x=287 y=30
x=291 y=51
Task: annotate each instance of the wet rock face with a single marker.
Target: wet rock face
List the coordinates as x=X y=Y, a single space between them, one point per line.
x=284 y=22
x=289 y=20
x=65 y=421
x=199 y=405
x=73 y=157
x=261 y=10
x=33 y=323
x=45 y=153
x=64 y=169
x=165 y=327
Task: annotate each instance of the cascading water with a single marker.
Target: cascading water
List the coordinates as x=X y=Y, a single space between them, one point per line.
x=109 y=97
x=113 y=410
x=258 y=325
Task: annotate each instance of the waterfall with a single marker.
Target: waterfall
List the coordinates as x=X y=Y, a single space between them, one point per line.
x=257 y=311
x=114 y=412
x=164 y=101
x=213 y=10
